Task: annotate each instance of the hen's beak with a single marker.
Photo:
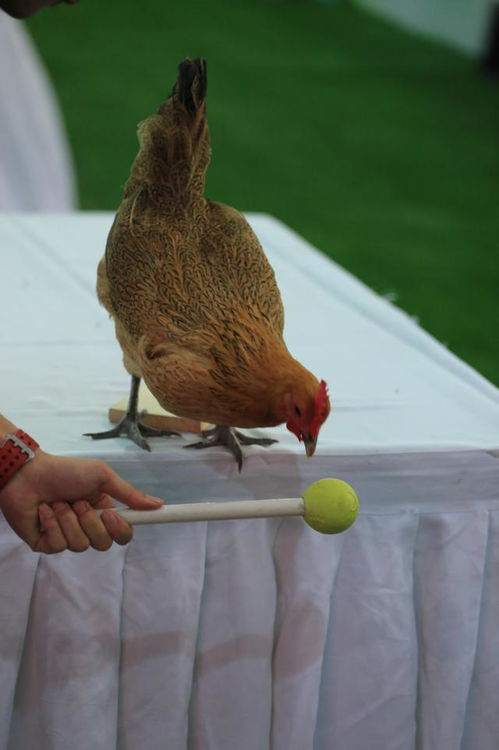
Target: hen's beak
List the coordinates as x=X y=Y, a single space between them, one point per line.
x=310 y=444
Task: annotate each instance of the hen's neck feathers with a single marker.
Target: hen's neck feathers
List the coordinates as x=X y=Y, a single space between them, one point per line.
x=257 y=379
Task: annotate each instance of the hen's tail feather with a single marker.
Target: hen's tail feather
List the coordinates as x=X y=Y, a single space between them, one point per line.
x=174 y=143
x=190 y=88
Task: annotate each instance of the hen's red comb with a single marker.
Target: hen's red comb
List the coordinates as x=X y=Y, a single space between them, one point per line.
x=320 y=407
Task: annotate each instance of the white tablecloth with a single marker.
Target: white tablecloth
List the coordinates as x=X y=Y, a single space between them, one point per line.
x=259 y=633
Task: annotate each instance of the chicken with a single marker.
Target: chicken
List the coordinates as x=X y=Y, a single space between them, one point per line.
x=197 y=310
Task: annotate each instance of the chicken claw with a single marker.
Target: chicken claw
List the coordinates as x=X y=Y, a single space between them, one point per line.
x=133 y=429
x=231 y=439
x=130 y=425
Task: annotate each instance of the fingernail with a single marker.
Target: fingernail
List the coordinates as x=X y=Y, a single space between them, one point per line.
x=81 y=507
x=45 y=512
x=154 y=500
x=59 y=507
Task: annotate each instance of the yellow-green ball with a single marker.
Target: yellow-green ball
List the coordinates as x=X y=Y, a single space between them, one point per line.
x=331 y=506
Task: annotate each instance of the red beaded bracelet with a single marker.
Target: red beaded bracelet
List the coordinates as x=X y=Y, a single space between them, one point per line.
x=16 y=450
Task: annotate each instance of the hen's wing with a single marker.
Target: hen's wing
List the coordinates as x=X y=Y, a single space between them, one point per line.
x=244 y=280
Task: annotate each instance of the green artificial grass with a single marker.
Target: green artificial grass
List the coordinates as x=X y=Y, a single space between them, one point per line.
x=379 y=147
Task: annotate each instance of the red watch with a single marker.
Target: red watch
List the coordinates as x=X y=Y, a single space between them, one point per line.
x=16 y=450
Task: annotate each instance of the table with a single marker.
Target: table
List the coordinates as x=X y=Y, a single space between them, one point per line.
x=254 y=634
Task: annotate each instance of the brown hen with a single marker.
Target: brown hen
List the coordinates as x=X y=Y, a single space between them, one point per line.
x=195 y=302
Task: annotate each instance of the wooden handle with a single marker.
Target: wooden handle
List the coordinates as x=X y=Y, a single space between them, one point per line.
x=215 y=511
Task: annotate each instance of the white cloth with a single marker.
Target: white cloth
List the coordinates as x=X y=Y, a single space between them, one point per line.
x=460 y=23
x=255 y=634
x=36 y=171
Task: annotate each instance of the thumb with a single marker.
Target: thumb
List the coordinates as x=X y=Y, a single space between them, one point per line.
x=115 y=486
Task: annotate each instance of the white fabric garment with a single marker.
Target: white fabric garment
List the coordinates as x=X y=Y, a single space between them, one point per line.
x=254 y=634
x=36 y=171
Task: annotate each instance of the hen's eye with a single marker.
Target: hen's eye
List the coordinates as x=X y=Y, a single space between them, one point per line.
x=298 y=411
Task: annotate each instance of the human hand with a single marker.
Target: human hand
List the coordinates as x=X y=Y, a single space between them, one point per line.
x=51 y=504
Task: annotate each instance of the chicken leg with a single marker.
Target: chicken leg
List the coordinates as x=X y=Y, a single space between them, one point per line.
x=231 y=439
x=130 y=425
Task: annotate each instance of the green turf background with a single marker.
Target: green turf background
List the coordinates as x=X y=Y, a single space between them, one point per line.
x=379 y=147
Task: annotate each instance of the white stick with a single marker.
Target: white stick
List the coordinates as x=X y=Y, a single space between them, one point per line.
x=290 y=506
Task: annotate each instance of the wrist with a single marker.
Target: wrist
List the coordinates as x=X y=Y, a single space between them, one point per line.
x=6 y=426
x=17 y=449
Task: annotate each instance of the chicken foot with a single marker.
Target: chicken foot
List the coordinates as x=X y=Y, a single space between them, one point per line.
x=231 y=439
x=130 y=425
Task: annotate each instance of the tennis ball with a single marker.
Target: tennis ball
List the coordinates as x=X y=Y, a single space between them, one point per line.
x=331 y=506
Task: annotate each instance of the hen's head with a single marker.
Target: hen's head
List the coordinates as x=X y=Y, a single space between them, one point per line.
x=306 y=409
